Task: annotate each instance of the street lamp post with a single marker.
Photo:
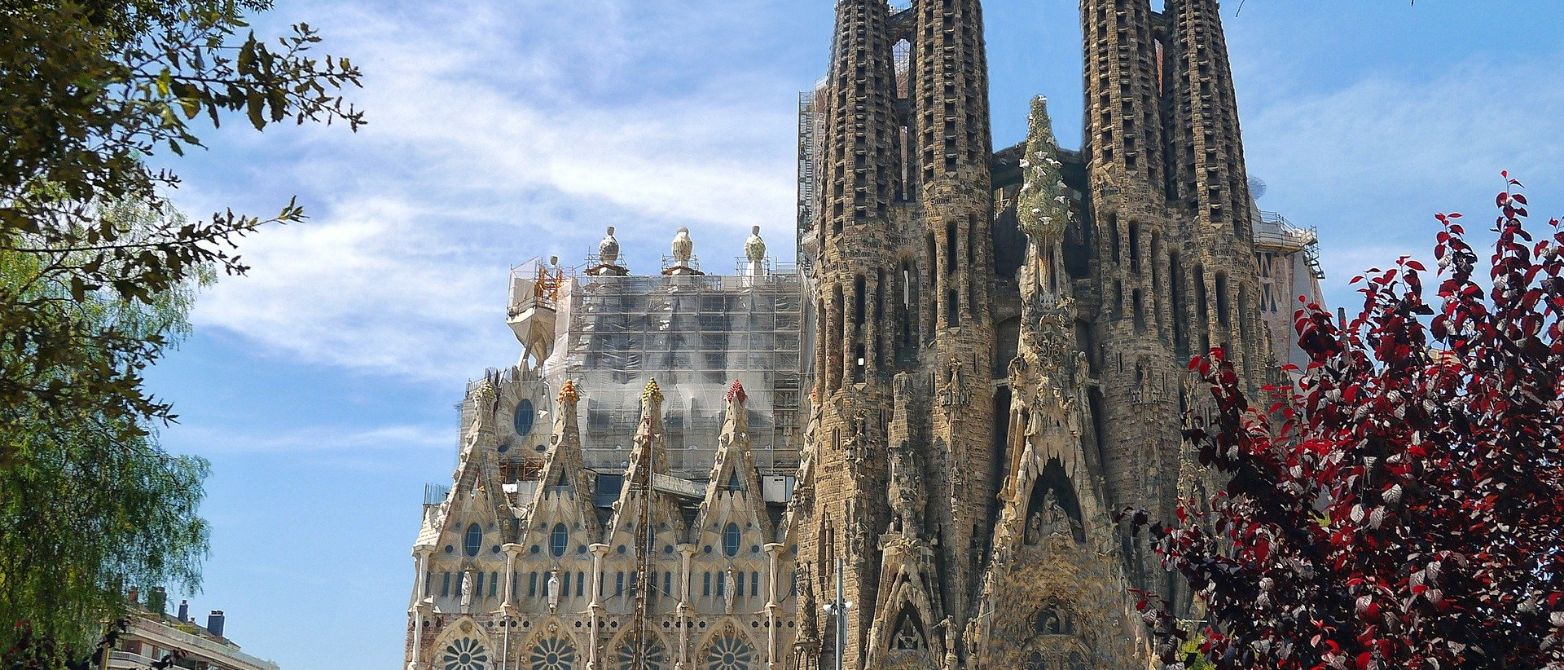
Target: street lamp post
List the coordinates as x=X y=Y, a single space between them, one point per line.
x=838 y=608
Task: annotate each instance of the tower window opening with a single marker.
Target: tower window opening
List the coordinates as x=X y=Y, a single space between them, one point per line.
x=950 y=248
x=1113 y=237
x=1134 y=247
x=1140 y=313
x=858 y=300
x=1221 y=299
x=952 y=309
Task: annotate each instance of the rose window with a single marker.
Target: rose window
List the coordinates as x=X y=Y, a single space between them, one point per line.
x=655 y=655
x=465 y=654
x=553 y=654
x=729 y=652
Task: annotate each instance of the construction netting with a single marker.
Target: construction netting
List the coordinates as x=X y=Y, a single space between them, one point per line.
x=695 y=334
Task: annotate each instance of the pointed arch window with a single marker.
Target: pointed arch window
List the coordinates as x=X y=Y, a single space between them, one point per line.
x=730 y=540
x=558 y=540
x=734 y=482
x=473 y=542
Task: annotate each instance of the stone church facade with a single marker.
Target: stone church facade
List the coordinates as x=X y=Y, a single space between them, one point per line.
x=907 y=452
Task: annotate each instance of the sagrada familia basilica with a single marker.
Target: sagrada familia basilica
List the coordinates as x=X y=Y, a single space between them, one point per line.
x=906 y=450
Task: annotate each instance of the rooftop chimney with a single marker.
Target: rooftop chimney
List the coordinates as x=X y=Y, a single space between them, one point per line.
x=184 y=610
x=214 y=623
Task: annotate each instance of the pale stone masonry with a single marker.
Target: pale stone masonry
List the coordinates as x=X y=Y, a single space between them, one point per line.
x=979 y=360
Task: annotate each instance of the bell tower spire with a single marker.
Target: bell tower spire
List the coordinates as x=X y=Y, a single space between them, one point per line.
x=859 y=166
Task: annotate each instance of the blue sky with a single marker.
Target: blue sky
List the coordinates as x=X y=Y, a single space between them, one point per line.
x=322 y=385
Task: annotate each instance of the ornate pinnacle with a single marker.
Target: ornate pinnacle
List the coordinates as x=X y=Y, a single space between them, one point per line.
x=736 y=393
x=652 y=392
x=567 y=393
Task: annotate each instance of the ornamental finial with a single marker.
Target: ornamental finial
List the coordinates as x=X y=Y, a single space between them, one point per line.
x=568 y=394
x=652 y=392
x=736 y=393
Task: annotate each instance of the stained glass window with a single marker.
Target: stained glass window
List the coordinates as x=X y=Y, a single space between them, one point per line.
x=730 y=540
x=553 y=654
x=729 y=652
x=558 y=540
x=524 y=418
x=465 y=654
x=474 y=540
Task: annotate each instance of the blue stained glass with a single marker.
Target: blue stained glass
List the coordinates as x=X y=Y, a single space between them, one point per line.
x=559 y=539
x=474 y=540
x=525 y=416
x=730 y=540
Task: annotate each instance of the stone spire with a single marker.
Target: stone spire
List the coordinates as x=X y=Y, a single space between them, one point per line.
x=858 y=256
x=1123 y=115
x=1213 y=186
x=956 y=194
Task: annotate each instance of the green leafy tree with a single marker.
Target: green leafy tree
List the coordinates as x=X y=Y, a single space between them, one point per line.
x=97 y=271
x=90 y=503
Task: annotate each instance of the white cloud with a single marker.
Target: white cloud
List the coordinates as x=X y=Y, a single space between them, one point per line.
x=498 y=133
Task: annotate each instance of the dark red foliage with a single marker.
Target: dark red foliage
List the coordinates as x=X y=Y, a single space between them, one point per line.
x=1403 y=506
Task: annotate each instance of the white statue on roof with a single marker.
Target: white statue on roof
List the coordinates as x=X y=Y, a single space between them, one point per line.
x=683 y=247
x=754 y=247
x=608 y=249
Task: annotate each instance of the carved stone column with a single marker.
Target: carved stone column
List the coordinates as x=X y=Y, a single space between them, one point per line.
x=773 y=552
x=686 y=552
x=420 y=592
x=596 y=608
x=512 y=553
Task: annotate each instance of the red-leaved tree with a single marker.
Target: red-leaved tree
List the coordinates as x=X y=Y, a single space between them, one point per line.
x=1403 y=506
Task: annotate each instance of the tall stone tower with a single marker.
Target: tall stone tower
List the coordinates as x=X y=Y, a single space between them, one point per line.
x=852 y=365
x=1211 y=184
x=903 y=287
x=1002 y=337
